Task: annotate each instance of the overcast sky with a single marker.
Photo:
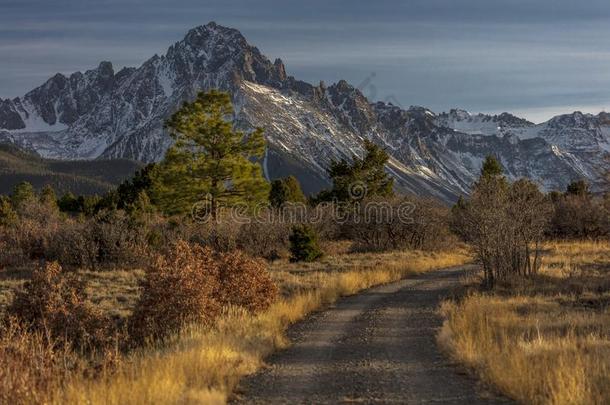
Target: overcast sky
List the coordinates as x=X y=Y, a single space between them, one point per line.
x=536 y=58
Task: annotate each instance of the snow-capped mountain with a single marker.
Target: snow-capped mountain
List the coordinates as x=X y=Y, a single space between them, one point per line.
x=103 y=114
x=581 y=140
x=482 y=124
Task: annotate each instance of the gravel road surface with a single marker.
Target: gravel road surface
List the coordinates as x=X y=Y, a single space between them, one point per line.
x=375 y=347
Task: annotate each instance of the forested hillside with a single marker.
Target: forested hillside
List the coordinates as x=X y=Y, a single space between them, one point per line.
x=78 y=177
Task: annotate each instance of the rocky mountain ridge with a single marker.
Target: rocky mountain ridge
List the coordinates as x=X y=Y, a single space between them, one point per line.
x=102 y=114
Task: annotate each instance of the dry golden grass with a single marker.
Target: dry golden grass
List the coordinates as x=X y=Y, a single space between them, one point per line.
x=31 y=365
x=9 y=282
x=546 y=340
x=114 y=292
x=204 y=365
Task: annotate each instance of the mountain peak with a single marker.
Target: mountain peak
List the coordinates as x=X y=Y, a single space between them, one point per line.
x=604 y=118
x=575 y=119
x=105 y=69
x=212 y=31
x=212 y=55
x=280 y=69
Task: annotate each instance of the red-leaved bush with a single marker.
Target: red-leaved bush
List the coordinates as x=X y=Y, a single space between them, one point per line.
x=244 y=282
x=178 y=289
x=192 y=283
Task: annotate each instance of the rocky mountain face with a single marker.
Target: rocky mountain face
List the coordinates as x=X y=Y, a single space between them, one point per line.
x=107 y=114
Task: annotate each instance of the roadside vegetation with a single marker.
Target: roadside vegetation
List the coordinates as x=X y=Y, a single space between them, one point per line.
x=546 y=339
x=203 y=365
x=537 y=326
x=198 y=362
x=181 y=280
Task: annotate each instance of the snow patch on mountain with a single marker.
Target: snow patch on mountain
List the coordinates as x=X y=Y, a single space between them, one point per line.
x=35 y=123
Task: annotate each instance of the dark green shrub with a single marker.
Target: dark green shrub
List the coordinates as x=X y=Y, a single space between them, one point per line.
x=304 y=244
x=286 y=190
x=68 y=203
x=8 y=216
x=23 y=193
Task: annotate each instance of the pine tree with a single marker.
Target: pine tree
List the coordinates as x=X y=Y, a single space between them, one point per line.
x=89 y=205
x=142 y=205
x=362 y=176
x=69 y=203
x=304 y=244
x=48 y=197
x=579 y=188
x=284 y=191
x=129 y=190
x=109 y=201
x=23 y=193
x=457 y=218
x=209 y=159
x=491 y=176
x=491 y=167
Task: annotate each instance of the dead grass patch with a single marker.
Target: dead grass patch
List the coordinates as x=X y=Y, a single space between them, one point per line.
x=544 y=340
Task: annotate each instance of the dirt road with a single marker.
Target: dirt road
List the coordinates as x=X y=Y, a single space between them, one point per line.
x=375 y=347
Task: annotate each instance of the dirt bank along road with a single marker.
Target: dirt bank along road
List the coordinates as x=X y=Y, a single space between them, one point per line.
x=375 y=347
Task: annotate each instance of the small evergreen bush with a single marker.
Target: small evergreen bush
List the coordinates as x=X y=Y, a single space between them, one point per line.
x=304 y=244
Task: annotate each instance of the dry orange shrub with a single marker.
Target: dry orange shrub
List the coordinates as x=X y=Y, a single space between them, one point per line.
x=178 y=289
x=192 y=283
x=244 y=282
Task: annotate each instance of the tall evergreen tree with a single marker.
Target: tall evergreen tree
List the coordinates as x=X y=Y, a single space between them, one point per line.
x=68 y=203
x=458 y=212
x=48 y=197
x=129 y=190
x=8 y=216
x=368 y=172
x=209 y=159
x=579 y=188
